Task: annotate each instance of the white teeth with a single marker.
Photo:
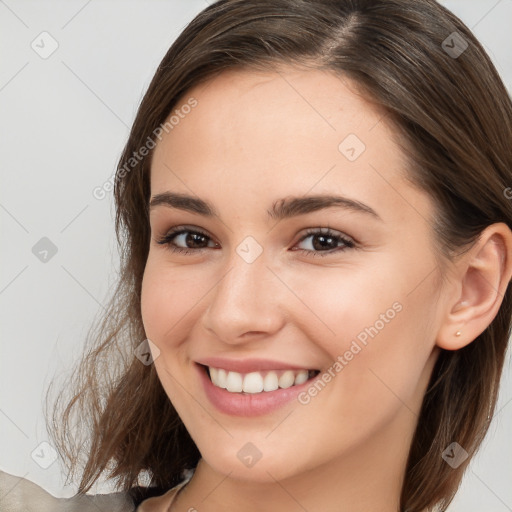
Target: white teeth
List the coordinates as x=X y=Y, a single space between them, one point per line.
x=301 y=377
x=255 y=382
x=270 y=382
x=221 y=377
x=287 y=379
x=234 y=382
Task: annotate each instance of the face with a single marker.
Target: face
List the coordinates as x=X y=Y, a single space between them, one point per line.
x=259 y=270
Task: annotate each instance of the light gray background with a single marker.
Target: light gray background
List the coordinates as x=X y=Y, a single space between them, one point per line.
x=64 y=121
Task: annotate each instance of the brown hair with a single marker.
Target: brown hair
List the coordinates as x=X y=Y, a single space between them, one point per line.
x=454 y=118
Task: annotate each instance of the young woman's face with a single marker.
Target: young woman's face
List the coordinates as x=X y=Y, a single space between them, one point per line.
x=256 y=269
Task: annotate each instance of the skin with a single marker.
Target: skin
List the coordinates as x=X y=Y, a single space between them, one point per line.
x=252 y=140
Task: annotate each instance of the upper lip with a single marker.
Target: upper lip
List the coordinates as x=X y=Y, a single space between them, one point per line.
x=249 y=365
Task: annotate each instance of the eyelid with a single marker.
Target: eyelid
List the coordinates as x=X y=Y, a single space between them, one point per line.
x=309 y=231
x=178 y=230
x=327 y=231
x=348 y=241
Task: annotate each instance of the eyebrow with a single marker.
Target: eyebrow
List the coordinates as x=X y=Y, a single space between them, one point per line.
x=282 y=209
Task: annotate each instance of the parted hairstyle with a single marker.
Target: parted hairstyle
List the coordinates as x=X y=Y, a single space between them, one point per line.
x=453 y=117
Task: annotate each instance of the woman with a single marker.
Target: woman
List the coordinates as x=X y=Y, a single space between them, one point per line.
x=314 y=302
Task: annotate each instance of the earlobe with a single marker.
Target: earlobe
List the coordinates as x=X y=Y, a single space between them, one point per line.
x=484 y=273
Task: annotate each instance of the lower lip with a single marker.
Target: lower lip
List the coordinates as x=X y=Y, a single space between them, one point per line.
x=249 y=404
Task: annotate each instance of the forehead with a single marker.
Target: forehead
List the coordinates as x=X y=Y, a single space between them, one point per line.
x=305 y=102
x=284 y=132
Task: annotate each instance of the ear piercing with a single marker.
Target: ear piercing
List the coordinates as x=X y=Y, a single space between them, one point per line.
x=458 y=333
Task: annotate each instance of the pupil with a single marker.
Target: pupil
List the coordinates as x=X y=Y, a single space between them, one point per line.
x=196 y=238
x=324 y=238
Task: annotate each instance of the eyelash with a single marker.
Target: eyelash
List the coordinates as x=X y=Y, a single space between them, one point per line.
x=348 y=243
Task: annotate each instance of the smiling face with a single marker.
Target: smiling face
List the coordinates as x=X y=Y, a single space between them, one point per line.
x=347 y=286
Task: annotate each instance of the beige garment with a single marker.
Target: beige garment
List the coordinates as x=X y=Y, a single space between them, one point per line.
x=161 y=503
x=18 y=494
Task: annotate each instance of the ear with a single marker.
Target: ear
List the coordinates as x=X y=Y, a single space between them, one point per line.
x=482 y=276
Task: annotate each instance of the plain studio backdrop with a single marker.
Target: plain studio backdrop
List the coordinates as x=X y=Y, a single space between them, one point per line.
x=72 y=75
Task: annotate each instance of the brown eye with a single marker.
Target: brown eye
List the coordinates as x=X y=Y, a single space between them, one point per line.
x=326 y=242
x=185 y=240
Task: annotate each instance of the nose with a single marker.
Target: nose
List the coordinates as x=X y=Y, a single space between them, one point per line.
x=246 y=302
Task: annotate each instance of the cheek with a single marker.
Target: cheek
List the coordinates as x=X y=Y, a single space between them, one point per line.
x=377 y=328
x=152 y=292
x=168 y=297
x=164 y=307
x=339 y=305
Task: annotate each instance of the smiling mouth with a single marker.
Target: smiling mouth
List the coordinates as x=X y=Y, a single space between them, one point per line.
x=257 y=382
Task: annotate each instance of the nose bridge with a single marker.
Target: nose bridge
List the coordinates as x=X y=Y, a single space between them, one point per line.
x=246 y=298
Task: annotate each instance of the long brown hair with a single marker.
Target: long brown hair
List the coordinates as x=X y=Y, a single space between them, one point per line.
x=453 y=117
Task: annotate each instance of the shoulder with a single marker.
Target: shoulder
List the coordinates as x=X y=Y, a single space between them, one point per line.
x=18 y=494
